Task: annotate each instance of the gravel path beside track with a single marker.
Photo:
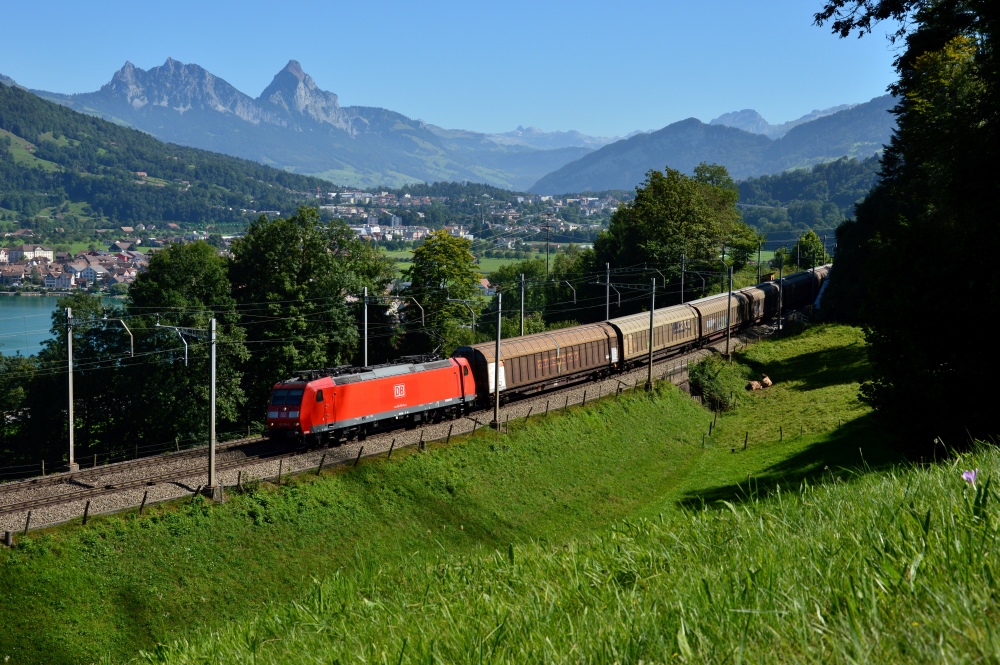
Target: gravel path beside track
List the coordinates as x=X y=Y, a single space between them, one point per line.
x=230 y=467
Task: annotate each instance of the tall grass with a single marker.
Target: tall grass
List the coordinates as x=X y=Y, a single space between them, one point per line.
x=890 y=567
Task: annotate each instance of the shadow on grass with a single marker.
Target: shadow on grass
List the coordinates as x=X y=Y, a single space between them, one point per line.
x=862 y=446
x=819 y=369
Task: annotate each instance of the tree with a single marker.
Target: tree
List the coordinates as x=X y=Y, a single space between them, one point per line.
x=298 y=282
x=934 y=202
x=807 y=252
x=444 y=268
x=186 y=286
x=673 y=215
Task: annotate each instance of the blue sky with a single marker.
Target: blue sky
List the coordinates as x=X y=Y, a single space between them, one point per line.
x=602 y=68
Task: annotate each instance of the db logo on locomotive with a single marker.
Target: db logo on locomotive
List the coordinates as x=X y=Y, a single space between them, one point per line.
x=399 y=390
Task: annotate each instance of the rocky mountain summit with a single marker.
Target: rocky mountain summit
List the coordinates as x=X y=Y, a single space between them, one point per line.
x=294 y=92
x=177 y=87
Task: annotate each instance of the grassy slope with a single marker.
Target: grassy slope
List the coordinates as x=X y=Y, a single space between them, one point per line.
x=124 y=583
x=882 y=567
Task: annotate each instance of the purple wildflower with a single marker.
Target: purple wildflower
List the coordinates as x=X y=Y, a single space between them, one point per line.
x=970 y=476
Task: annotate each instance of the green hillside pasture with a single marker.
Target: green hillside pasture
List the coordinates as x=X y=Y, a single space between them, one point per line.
x=485 y=266
x=123 y=583
x=22 y=152
x=882 y=567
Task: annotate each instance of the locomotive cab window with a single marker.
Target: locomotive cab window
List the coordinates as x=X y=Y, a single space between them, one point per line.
x=319 y=395
x=465 y=370
x=283 y=396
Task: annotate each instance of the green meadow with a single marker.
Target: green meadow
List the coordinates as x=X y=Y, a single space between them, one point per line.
x=620 y=531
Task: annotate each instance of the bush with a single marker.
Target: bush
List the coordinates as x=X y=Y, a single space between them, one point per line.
x=718 y=381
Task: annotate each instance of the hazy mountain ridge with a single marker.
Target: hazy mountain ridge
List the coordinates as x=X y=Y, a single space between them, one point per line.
x=533 y=137
x=297 y=126
x=751 y=121
x=859 y=131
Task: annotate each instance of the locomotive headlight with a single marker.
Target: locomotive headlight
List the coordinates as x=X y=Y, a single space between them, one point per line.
x=293 y=414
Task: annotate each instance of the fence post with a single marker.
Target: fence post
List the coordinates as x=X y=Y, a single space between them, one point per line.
x=358 y=458
x=281 y=464
x=319 y=469
x=8 y=538
x=95 y=460
x=745 y=439
x=177 y=444
x=530 y=408
x=566 y=405
x=43 y=468
x=239 y=480
x=420 y=444
x=391 y=447
x=142 y=506
x=546 y=408
x=27 y=523
x=450 y=428
x=86 y=512
x=781 y=433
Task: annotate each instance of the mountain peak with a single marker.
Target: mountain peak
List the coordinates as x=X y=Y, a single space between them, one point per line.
x=295 y=69
x=295 y=92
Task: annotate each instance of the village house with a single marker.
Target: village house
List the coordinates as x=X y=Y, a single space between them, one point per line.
x=30 y=252
x=12 y=275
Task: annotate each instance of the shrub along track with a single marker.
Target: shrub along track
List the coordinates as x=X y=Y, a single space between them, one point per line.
x=62 y=497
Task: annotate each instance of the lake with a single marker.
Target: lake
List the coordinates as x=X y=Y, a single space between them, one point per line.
x=24 y=323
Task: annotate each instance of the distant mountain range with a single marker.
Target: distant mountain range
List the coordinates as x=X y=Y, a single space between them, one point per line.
x=858 y=131
x=750 y=121
x=296 y=126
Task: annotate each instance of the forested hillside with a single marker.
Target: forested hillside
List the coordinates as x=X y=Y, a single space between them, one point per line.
x=62 y=169
x=820 y=197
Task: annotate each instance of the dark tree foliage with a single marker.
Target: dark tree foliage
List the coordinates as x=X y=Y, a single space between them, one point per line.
x=820 y=197
x=934 y=206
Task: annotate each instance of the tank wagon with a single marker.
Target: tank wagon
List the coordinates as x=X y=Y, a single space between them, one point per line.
x=330 y=405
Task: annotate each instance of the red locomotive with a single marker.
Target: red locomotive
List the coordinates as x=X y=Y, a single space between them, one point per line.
x=329 y=405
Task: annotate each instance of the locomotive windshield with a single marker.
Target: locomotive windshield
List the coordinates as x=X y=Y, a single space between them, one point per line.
x=291 y=396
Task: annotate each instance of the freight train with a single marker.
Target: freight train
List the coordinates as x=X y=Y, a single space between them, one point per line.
x=324 y=406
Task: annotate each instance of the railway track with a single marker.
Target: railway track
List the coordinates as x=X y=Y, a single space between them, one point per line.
x=138 y=483
x=105 y=480
x=91 y=472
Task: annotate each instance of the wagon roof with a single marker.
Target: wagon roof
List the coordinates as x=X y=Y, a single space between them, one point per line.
x=545 y=341
x=638 y=322
x=718 y=302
